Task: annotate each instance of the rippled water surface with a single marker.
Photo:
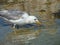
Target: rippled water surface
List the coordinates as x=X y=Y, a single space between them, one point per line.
x=49 y=36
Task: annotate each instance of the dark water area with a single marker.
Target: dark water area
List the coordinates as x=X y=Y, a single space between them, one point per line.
x=45 y=38
x=4 y=29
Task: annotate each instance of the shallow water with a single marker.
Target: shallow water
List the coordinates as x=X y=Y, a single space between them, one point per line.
x=50 y=36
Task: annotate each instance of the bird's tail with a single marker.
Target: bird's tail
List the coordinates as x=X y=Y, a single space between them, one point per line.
x=2 y=16
x=3 y=12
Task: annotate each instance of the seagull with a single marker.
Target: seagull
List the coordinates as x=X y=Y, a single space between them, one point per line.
x=17 y=17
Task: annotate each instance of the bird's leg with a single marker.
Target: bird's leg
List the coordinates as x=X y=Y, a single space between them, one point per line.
x=14 y=26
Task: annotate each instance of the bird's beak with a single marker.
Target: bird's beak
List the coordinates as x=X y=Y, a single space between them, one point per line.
x=38 y=23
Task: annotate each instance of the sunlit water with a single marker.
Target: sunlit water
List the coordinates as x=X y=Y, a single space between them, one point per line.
x=49 y=36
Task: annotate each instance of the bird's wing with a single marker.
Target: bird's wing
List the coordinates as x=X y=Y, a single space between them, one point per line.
x=12 y=14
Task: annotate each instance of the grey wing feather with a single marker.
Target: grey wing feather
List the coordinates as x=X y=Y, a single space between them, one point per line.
x=11 y=14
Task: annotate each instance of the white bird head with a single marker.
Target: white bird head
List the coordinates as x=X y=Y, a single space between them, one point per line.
x=33 y=19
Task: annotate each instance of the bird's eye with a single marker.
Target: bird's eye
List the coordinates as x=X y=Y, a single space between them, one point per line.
x=34 y=19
